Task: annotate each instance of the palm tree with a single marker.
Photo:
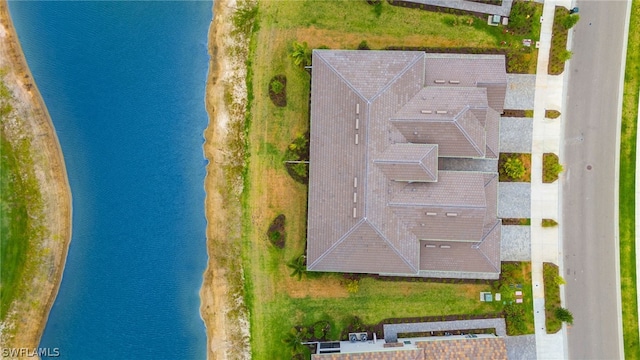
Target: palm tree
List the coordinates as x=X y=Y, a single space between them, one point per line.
x=299 y=266
x=294 y=340
x=301 y=54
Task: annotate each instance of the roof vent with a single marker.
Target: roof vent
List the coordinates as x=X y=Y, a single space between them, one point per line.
x=354 y=213
x=445 y=246
x=426 y=111
x=357 y=123
x=357 y=108
x=356 y=139
x=355 y=197
x=441 y=111
x=439 y=81
x=355 y=182
x=432 y=214
x=429 y=246
x=454 y=81
x=452 y=214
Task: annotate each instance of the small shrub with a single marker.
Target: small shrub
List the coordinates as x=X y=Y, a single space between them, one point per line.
x=377 y=9
x=528 y=113
x=298 y=150
x=569 y=21
x=300 y=54
x=564 y=315
x=551 y=168
x=363 y=45
x=278 y=90
x=352 y=285
x=276 y=86
x=549 y=223
x=514 y=168
x=564 y=55
x=552 y=114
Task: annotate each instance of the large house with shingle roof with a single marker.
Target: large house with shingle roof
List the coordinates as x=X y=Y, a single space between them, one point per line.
x=380 y=122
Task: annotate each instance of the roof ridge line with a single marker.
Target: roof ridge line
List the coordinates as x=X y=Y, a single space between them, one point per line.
x=399 y=75
x=464 y=132
x=375 y=228
x=344 y=80
x=340 y=241
x=482 y=241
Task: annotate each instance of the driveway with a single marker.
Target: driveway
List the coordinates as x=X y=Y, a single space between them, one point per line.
x=516 y=135
x=515 y=243
x=514 y=200
x=520 y=91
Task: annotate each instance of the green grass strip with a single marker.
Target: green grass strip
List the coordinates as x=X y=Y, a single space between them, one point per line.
x=627 y=188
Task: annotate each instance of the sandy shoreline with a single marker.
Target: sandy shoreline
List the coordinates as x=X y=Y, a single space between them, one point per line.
x=54 y=186
x=222 y=303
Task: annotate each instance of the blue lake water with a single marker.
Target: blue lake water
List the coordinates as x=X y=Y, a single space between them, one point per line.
x=124 y=83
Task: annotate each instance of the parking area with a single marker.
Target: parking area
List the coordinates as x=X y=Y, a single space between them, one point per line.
x=516 y=243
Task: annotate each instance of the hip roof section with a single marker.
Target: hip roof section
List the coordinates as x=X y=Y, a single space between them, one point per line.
x=373 y=188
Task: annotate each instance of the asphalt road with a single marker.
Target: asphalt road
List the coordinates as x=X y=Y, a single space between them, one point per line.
x=588 y=202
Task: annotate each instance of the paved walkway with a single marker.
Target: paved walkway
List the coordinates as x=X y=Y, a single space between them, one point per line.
x=391 y=331
x=502 y=10
x=545 y=199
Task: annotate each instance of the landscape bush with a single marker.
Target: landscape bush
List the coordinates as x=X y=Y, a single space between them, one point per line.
x=296 y=158
x=551 y=167
x=564 y=315
x=514 y=168
x=278 y=90
x=300 y=54
x=552 y=114
x=549 y=223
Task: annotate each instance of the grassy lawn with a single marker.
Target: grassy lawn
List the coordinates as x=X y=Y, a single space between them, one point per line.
x=627 y=201
x=20 y=206
x=277 y=301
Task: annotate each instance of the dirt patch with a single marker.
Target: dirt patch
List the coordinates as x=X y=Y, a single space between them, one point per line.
x=315 y=288
x=26 y=319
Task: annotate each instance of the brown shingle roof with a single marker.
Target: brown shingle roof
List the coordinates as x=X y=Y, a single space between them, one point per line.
x=472 y=349
x=409 y=162
x=412 y=354
x=362 y=217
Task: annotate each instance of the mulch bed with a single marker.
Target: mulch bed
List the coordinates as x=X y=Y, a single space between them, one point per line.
x=279 y=100
x=276 y=234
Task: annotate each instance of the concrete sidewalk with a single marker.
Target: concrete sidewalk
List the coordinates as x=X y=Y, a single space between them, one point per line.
x=545 y=198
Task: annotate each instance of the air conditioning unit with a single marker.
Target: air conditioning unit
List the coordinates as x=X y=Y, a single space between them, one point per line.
x=354 y=337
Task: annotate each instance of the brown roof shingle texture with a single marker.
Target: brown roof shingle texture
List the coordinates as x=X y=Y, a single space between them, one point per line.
x=373 y=181
x=409 y=162
x=413 y=354
x=472 y=349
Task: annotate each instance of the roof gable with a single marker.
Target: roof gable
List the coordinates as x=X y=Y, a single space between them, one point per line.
x=368 y=72
x=363 y=249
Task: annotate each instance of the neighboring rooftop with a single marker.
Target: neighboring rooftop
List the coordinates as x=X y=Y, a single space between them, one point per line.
x=450 y=347
x=377 y=201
